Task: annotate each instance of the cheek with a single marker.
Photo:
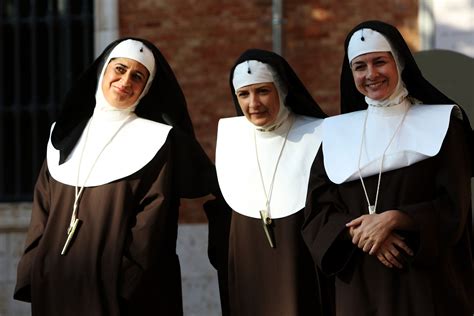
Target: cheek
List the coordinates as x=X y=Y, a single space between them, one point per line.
x=243 y=105
x=359 y=82
x=138 y=89
x=394 y=79
x=276 y=107
x=105 y=83
x=107 y=79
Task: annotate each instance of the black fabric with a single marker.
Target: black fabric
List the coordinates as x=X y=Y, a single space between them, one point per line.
x=196 y=175
x=299 y=100
x=417 y=86
x=164 y=102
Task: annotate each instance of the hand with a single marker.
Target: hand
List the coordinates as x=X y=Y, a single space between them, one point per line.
x=388 y=253
x=369 y=231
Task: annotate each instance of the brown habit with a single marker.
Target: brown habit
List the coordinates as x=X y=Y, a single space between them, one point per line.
x=435 y=192
x=123 y=259
x=267 y=281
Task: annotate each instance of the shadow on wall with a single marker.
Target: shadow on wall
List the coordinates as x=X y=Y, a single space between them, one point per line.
x=453 y=74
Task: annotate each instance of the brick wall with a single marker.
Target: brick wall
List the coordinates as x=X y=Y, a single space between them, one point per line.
x=202 y=38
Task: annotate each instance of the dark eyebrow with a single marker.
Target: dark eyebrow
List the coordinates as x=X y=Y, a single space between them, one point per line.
x=140 y=73
x=377 y=58
x=126 y=67
x=380 y=57
x=265 y=86
x=359 y=62
x=121 y=65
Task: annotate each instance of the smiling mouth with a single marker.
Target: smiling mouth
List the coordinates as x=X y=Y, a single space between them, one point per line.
x=121 y=90
x=376 y=85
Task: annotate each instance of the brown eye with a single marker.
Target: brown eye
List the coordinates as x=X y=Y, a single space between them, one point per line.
x=119 y=69
x=137 y=77
x=358 y=67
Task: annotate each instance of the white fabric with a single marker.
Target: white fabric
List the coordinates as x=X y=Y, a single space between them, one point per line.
x=134 y=141
x=283 y=113
x=365 y=41
x=397 y=97
x=135 y=50
x=135 y=145
x=237 y=168
x=420 y=137
x=251 y=72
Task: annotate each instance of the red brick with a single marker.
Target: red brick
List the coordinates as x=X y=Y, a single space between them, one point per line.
x=202 y=38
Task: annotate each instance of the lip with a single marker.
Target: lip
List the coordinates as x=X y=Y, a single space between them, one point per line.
x=258 y=115
x=376 y=85
x=256 y=112
x=121 y=90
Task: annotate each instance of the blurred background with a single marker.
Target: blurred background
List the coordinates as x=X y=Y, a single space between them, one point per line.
x=46 y=44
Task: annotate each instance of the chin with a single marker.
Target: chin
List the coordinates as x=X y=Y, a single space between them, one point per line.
x=120 y=106
x=378 y=96
x=259 y=123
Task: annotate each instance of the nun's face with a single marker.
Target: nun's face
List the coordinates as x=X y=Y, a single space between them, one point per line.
x=259 y=103
x=375 y=74
x=123 y=82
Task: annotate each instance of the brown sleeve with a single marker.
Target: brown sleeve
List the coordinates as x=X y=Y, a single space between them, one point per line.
x=146 y=235
x=442 y=221
x=39 y=217
x=324 y=230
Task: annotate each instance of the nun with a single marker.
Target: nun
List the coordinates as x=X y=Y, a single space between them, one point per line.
x=388 y=211
x=263 y=159
x=102 y=238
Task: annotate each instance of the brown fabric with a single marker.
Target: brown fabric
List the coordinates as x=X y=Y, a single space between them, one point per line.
x=123 y=259
x=435 y=192
x=265 y=281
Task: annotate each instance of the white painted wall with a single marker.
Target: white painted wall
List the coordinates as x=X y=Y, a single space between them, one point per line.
x=447 y=24
x=106 y=24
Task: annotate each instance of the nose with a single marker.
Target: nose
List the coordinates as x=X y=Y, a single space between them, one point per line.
x=254 y=100
x=371 y=72
x=126 y=79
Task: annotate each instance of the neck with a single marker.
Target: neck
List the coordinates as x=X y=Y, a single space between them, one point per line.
x=283 y=114
x=392 y=110
x=397 y=97
x=105 y=111
x=279 y=129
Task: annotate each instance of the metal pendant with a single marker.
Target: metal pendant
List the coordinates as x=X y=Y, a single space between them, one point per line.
x=267 y=228
x=371 y=209
x=70 y=234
